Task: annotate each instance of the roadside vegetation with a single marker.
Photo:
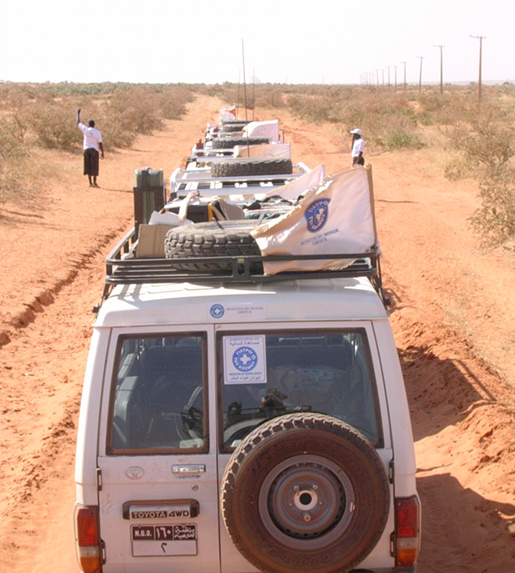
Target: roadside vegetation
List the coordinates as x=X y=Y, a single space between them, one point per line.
x=42 y=116
x=478 y=141
x=477 y=138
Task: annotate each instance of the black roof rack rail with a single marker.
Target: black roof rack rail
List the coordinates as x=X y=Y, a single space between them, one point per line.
x=124 y=269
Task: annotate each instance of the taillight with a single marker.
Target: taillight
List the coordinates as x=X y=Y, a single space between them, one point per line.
x=87 y=539
x=406 y=530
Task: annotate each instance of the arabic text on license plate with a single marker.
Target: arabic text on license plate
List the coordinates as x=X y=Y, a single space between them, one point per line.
x=150 y=540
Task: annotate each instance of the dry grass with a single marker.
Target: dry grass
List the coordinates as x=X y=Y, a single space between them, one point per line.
x=38 y=117
x=464 y=140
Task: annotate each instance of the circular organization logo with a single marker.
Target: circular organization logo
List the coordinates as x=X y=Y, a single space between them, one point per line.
x=317 y=214
x=244 y=359
x=217 y=311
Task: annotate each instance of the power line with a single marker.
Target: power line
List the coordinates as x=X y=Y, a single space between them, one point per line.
x=404 y=74
x=441 y=67
x=480 y=38
x=420 y=77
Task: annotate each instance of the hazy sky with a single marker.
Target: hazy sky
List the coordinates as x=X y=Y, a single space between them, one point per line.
x=293 y=41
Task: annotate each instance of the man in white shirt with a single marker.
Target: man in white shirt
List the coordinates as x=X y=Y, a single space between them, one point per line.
x=358 y=148
x=92 y=147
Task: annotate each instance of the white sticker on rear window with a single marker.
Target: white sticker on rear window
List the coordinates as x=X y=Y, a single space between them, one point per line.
x=244 y=359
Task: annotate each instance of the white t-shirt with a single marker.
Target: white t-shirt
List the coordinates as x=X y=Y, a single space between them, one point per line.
x=357 y=147
x=92 y=137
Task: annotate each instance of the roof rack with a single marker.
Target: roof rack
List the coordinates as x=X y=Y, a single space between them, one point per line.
x=184 y=180
x=124 y=269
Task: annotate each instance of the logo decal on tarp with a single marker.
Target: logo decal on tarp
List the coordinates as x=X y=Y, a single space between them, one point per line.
x=317 y=214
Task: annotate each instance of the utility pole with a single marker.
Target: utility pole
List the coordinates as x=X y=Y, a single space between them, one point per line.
x=404 y=75
x=395 y=89
x=480 y=38
x=389 y=77
x=420 y=78
x=441 y=67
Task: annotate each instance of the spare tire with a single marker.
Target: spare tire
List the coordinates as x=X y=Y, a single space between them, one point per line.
x=305 y=492
x=232 y=127
x=230 y=121
x=230 y=142
x=223 y=239
x=251 y=166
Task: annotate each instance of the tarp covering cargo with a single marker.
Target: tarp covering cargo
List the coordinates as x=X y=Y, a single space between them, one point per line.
x=268 y=129
x=227 y=113
x=280 y=150
x=335 y=217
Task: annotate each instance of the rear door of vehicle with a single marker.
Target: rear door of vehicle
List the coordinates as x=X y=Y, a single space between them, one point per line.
x=157 y=464
x=309 y=364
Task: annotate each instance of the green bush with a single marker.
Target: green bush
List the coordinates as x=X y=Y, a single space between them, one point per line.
x=398 y=139
x=136 y=110
x=484 y=139
x=54 y=125
x=494 y=221
x=484 y=144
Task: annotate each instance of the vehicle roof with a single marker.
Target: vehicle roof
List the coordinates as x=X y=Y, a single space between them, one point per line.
x=189 y=303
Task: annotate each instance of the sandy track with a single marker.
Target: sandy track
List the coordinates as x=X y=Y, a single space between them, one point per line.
x=452 y=325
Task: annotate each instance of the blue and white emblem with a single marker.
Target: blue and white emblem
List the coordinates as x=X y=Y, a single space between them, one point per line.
x=217 y=311
x=244 y=359
x=317 y=214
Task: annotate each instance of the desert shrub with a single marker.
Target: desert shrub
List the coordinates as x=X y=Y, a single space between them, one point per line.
x=54 y=126
x=483 y=143
x=386 y=118
x=12 y=155
x=44 y=114
x=494 y=220
x=433 y=102
x=172 y=104
x=269 y=97
x=115 y=133
x=398 y=139
x=136 y=110
x=424 y=118
x=12 y=135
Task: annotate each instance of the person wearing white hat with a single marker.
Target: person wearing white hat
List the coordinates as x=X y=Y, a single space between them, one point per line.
x=358 y=148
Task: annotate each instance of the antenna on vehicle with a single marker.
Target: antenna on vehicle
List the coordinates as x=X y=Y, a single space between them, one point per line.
x=244 y=82
x=245 y=91
x=253 y=93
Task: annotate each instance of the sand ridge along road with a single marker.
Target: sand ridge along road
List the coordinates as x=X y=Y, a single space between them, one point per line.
x=452 y=317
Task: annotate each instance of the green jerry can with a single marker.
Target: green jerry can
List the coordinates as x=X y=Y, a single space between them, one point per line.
x=149 y=194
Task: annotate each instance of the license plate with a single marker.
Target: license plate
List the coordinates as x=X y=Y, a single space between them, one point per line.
x=164 y=540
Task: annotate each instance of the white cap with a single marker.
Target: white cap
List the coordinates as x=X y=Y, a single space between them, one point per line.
x=358 y=131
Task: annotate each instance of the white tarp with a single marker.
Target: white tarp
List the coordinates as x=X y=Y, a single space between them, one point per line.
x=291 y=191
x=227 y=113
x=268 y=129
x=337 y=217
x=277 y=150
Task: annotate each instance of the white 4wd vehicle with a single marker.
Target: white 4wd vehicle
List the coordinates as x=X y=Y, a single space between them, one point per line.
x=238 y=422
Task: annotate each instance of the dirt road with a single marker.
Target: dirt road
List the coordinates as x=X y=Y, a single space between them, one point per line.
x=453 y=318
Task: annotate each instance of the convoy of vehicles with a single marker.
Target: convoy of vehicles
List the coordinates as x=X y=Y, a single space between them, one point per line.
x=244 y=409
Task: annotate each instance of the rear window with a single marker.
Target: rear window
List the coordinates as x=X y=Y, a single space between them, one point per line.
x=265 y=375
x=156 y=403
